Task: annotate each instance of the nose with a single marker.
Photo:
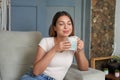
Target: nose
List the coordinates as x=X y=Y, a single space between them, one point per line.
x=65 y=26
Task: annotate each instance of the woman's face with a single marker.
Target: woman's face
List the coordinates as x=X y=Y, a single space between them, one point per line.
x=63 y=26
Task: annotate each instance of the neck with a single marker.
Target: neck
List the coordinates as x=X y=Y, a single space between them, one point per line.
x=59 y=39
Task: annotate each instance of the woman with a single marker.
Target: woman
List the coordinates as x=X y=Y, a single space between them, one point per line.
x=53 y=57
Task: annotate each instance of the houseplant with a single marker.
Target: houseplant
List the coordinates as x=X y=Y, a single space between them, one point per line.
x=116 y=58
x=114 y=65
x=117 y=73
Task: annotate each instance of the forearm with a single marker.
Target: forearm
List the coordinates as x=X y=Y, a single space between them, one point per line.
x=42 y=64
x=81 y=60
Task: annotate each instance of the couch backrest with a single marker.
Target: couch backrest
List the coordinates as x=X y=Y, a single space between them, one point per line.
x=17 y=52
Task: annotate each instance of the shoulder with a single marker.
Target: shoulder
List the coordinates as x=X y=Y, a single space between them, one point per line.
x=46 y=43
x=47 y=38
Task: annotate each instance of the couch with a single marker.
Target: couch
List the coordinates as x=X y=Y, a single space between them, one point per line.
x=17 y=52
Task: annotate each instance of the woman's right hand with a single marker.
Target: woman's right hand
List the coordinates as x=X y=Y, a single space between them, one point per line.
x=62 y=46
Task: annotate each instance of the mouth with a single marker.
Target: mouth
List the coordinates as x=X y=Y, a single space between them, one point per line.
x=66 y=32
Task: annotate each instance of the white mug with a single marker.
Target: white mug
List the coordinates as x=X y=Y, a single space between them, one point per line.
x=73 y=41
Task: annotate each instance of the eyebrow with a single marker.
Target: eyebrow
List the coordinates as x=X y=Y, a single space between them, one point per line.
x=63 y=21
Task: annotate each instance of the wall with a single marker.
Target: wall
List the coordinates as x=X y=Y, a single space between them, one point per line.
x=117 y=29
x=102 y=31
x=102 y=28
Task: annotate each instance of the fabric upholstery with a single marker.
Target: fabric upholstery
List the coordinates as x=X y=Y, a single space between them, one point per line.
x=17 y=52
x=91 y=74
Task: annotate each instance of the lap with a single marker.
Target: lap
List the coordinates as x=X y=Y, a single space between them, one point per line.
x=30 y=76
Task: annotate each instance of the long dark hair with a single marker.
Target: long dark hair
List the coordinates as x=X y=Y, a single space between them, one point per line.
x=52 y=32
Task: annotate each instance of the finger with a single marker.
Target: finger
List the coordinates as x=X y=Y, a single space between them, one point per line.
x=66 y=47
x=80 y=46
x=67 y=43
x=80 y=42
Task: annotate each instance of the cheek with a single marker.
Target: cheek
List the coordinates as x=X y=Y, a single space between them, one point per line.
x=58 y=29
x=71 y=28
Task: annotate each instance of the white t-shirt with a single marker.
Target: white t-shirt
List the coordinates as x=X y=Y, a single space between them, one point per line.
x=60 y=63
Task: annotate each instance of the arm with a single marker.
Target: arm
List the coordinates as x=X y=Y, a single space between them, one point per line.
x=80 y=56
x=82 y=61
x=43 y=58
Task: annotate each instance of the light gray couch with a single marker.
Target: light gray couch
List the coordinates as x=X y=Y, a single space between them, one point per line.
x=17 y=51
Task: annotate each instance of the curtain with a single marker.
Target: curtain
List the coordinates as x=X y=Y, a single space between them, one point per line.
x=5 y=15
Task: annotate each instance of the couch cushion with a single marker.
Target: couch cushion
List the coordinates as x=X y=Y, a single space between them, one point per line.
x=91 y=74
x=13 y=71
x=17 y=51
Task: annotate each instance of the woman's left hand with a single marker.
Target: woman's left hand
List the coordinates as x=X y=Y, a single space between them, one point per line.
x=80 y=44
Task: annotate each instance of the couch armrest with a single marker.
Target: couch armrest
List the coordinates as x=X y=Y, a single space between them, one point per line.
x=92 y=74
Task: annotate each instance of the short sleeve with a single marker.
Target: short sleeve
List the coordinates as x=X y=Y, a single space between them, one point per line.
x=43 y=44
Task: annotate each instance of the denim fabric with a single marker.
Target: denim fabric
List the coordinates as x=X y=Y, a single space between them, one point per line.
x=30 y=76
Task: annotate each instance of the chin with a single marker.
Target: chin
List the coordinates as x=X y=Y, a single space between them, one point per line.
x=66 y=35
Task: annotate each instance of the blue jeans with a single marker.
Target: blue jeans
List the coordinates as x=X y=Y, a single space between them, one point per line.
x=30 y=76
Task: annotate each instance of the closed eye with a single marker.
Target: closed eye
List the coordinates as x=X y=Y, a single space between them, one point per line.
x=69 y=23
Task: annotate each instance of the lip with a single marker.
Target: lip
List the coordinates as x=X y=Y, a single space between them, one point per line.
x=66 y=31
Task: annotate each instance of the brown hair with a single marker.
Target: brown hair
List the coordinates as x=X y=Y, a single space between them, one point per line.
x=52 y=32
